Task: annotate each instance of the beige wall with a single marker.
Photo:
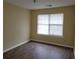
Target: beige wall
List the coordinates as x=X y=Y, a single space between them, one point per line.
x=16 y=22
x=69 y=20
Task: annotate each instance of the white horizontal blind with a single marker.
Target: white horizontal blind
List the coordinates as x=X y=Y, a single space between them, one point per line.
x=56 y=24
x=50 y=24
x=42 y=24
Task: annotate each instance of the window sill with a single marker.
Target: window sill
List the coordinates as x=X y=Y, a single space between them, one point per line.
x=56 y=36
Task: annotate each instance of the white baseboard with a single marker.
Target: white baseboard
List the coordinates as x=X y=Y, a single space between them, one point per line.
x=15 y=46
x=33 y=40
x=53 y=43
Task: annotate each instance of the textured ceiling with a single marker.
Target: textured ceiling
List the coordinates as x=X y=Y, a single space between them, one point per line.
x=41 y=4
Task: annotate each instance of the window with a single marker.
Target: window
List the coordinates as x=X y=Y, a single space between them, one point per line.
x=50 y=24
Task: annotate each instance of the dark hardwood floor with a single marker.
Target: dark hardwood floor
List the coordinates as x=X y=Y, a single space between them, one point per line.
x=34 y=50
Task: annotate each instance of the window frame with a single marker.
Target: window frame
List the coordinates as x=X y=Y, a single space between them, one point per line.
x=61 y=36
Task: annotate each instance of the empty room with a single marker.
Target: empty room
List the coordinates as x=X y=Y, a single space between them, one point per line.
x=38 y=29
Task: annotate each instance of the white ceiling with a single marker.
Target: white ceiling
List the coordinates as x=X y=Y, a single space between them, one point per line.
x=40 y=4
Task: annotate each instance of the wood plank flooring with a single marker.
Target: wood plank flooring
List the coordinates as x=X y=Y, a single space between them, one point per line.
x=34 y=50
